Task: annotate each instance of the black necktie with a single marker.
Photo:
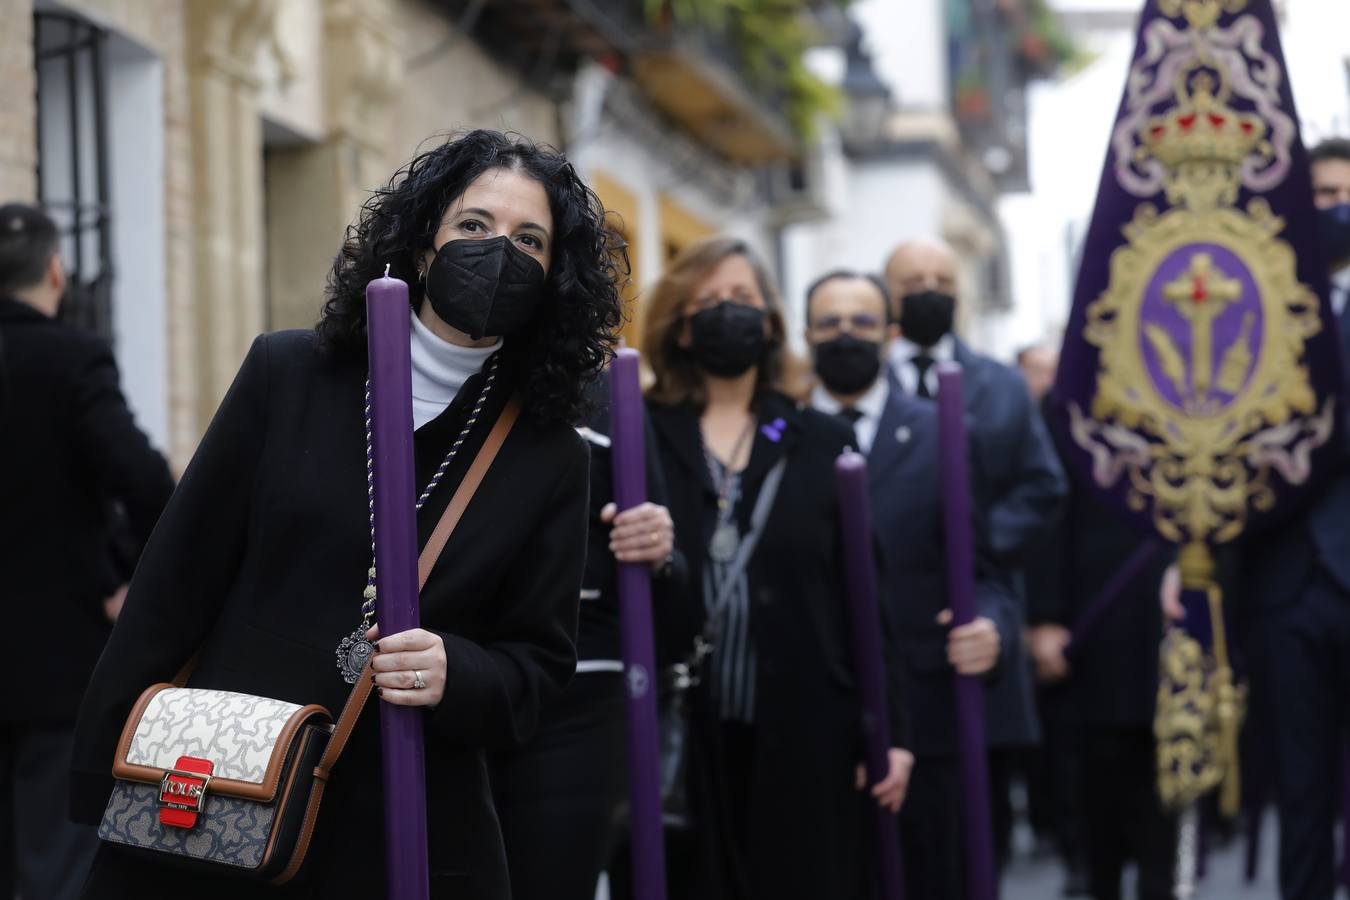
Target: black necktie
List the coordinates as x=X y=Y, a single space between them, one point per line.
x=923 y=362
x=851 y=415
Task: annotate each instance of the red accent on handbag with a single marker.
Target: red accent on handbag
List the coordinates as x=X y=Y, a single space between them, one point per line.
x=182 y=795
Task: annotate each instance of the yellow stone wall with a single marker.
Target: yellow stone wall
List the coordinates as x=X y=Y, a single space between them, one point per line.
x=280 y=117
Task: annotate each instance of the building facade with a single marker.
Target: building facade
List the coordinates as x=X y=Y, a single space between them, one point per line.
x=204 y=157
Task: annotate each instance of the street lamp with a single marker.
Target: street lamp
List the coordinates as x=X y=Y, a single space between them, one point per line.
x=868 y=97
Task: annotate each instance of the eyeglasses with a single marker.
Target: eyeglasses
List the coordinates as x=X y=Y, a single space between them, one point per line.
x=858 y=323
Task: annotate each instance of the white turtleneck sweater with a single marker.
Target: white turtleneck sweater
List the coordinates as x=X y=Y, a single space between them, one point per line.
x=439 y=370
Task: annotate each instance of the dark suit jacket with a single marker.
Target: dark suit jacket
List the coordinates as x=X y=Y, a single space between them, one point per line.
x=1278 y=564
x=1114 y=666
x=1023 y=483
x=807 y=713
x=260 y=561
x=908 y=517
x=1026 y=486
x=69 y=450
x=1014 y=453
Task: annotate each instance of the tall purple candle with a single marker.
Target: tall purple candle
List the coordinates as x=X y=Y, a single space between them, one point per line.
x=855 y=513
x=639 y=654
x=1345 y=816
x=405 y=795
x=981 y=881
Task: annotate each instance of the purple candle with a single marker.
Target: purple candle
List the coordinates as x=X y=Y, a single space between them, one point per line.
x=981 y=883
x=1102 y=603
x=639 y=654
x=1345 y=816
x=855 y=513
x=405 y=795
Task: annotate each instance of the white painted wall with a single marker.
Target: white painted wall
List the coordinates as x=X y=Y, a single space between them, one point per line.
x=641 y=164
x=885 y=204
x=140 y=311
x=908 y=43
x=135 y=146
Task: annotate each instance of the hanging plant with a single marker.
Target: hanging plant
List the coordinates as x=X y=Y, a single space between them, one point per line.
x=770 y=38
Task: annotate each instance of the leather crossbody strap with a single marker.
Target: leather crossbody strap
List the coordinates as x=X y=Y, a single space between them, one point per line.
x=356 y=700
x=351 y=710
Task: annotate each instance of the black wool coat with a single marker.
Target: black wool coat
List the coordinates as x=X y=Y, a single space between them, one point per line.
x=805 y=818
x=69 y=451
x=259 y=561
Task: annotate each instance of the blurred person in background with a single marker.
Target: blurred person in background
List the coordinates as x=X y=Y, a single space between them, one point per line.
x=1037 y=364
x=1012 y=457
x=1297 y=592
x=847 y=331
x=80 y=490
x=775 y=723
x=560 y=795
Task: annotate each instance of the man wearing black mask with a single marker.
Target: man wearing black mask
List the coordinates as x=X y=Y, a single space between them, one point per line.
x=847 y=331
x=1297 y=581
x=1011 y=454
x=1331 y=194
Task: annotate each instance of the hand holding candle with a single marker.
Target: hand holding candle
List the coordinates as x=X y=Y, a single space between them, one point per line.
x=855 y=512
x=639 y=654
x=981 y=883
x=405 y=795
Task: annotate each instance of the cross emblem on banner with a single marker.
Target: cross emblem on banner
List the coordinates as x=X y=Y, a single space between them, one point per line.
x=1201 y=294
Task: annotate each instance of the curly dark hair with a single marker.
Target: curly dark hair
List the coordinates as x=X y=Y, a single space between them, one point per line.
x=575 y=329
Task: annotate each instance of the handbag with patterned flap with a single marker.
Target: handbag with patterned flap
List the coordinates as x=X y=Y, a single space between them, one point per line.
x=231 y=783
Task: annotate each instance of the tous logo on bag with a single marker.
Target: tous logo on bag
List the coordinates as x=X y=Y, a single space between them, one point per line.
x=182 y=793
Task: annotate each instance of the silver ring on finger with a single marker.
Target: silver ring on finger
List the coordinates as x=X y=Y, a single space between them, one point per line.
x=418 y=683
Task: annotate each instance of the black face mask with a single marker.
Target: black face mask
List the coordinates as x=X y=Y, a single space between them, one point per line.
x=484 y=287
x=1333 y=227
x=848 y=364
x=926 y=316
x=728 y=338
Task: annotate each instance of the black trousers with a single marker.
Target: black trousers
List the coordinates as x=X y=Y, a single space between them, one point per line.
x=558 y=796
x=1122 y=816
x=931 y=838
x=1304 y=656
x=44 y=855
x=1053 y=776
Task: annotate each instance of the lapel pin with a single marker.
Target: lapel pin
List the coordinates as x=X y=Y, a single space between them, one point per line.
x=774 y=430
x=902 y=434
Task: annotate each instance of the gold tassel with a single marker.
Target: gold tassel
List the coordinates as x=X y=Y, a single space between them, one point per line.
x=1200 y=707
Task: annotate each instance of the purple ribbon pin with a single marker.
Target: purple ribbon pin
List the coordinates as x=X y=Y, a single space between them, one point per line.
x=774 y=430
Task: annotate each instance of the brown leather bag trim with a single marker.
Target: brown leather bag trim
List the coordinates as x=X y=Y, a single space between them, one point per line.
x=306 y=833
x=351 y=711
x=356 y=701
x=346 y=722
x=263 y=792
x=282 y=804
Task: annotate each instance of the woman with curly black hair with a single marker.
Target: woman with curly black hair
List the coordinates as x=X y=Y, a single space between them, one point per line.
x=259 y=563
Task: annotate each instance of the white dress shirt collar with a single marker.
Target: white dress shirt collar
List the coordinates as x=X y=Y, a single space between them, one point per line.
x=1340 y=290
x=902 y=355
x=871 y=404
